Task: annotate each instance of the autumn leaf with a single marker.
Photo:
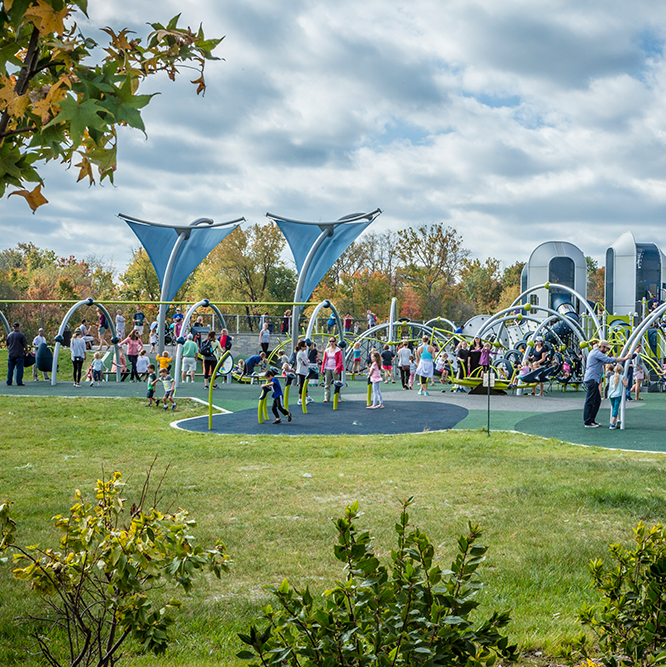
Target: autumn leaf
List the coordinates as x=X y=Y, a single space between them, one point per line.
x=46 y=19
x=201 y=87
x=35 y=198
x=86 y=170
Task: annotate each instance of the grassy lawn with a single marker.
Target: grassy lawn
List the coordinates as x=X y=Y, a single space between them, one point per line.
x=547 y=508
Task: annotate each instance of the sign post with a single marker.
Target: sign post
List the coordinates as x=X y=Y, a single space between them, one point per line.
x=488 y=381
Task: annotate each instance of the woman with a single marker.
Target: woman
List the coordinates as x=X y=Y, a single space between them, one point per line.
x=77 y=349
x=331 y=366
x=134 y=347
x=538 y=359
x=103 y=325
x=264 y=338
x=286 y=321
x=302 y=369
x=211 y=351
x=475 y=355
x=424 y=368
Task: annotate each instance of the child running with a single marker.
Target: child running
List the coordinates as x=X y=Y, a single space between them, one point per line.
x=274 y=384
x=375 y=376
x=169 y=388
x=151 y=382
x=97 y=366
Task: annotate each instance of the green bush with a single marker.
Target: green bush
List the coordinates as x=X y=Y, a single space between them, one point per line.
x=411 y=612
x=629 y=623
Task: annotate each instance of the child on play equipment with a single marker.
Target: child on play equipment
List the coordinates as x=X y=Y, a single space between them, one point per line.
x=273 y=383
x=484 y=359
x=169 y=388
x=375 y=375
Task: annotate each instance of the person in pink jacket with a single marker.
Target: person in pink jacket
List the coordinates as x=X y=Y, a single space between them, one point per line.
x=331 y=367
x=134 y=346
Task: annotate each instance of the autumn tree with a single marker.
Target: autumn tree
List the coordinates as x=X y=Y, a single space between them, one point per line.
x=481 y=284
x=596 y=281
x=432 y=257
x=57 y=101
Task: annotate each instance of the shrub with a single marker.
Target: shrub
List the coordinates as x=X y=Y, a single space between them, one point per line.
x=411 y=612
x=97 y=586
x=629 y=623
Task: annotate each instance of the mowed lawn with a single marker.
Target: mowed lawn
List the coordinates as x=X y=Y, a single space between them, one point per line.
x=547 y=508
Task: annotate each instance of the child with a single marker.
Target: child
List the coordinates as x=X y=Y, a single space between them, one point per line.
x=274 y=384
x=616 y=385
x=387 y=364
x=375 y=375
x=412 y=371
x=142 y=365
x=97 y=366
x=164 y=361
x=356 y=368
x=151 y=382
x=484 y=359
x=168 y=383
x=152 y=337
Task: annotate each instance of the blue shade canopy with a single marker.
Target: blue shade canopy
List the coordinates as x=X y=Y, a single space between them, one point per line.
x=159 y=241
x=302 y=236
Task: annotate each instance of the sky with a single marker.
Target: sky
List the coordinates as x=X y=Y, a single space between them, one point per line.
x=514 y=122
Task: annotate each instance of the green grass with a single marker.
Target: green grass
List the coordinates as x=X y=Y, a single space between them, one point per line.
x=547 y=508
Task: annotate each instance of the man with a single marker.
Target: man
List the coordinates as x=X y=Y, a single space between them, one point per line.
x=17 y=348
x=137 y=320
x=38 y=340
x=593 y=373
x=190 y=352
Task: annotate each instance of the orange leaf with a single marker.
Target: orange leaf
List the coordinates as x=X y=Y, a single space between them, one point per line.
x=35 y=198
x=86 y=170
x=201 y=87
x=46 y=19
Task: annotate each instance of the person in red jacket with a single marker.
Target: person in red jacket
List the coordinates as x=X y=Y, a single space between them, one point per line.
x=331 y=367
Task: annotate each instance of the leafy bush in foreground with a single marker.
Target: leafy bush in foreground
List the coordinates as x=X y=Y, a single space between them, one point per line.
x=629 y=622
x=411 y=612
x=97 y=586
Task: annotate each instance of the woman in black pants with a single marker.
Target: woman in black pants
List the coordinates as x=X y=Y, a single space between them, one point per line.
x=78 y=351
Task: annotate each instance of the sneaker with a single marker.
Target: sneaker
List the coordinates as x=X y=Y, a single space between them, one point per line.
x=288 y=416
x=420 y=391
x=277 y=421
x=164 y=407
x=173 y=407
x=309 y=400
x=592 y=425
x=611 y=427
x=299 y=401
x=425 y=393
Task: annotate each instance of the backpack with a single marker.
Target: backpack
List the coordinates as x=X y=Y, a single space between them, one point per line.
x=206 y=349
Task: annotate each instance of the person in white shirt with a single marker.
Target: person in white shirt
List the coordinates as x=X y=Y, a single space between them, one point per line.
x=120 y=324
x=36 y=342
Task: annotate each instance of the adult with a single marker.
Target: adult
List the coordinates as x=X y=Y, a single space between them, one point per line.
x=254 y=361
x=87 y=338
x=120 y=324
x=302 y=369
x=211 y=351
x=592 y=379
x=102 y=326
x=38 y=340
x=332 y=366
x=264 y=338
x=77 y=350
x=178 y=322
x=330 y=323
x=538 y=359
x=138 y=319
x=640 y=372
x=17 y=348
x=225 y=340
x=190 y=351
x=372 y=318
x=462 y=357
x=123 y=366
x=286 y=321
x=475 y=355
x=134 y=346
x=348 y=323
x=424 y=360
x=404 y=353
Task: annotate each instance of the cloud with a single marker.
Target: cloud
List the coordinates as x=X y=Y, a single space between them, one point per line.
x=515 y=122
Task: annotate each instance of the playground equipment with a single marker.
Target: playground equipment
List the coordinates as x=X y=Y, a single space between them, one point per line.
x=60 y=338
x=262 y=414
x=3 y=319
x=175 y=251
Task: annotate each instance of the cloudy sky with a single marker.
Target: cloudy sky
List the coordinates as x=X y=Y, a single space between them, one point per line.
x=515 y=122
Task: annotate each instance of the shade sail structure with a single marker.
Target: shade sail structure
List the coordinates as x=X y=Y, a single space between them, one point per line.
x=160 y=241
x=316 y=246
